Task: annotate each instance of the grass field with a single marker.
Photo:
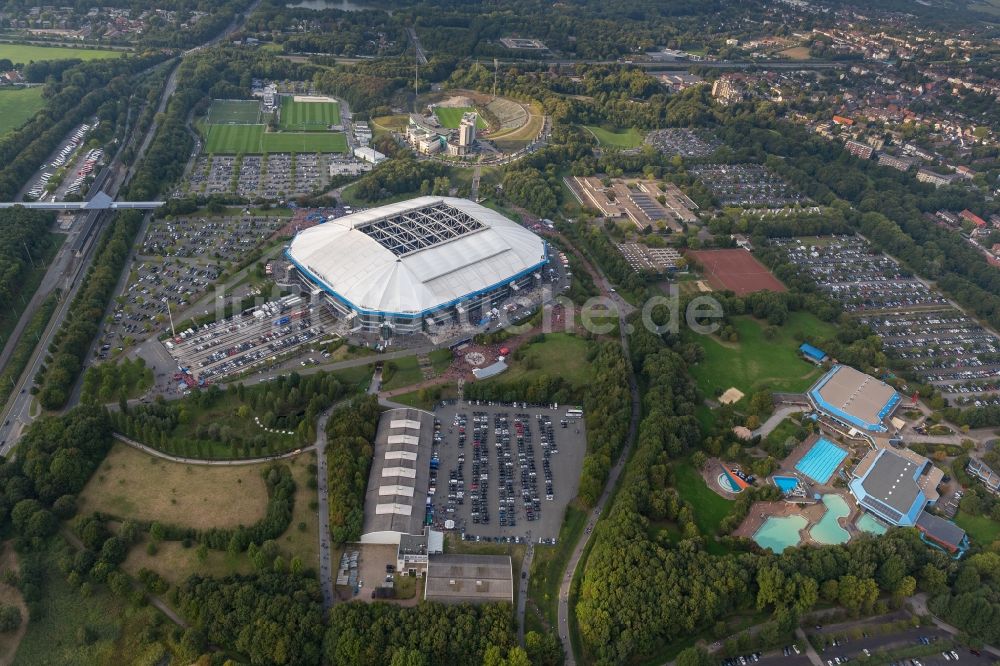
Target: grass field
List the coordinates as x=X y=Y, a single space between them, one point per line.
x=709 y=508
x=238 y=111
x=982 y=530
x=796 y=53
x=175 y=562
x=133 y=484
x=451 y=116
x=252 y=139
x=629 y=138
x=756 y=363
x=25 y=53
x=18 y=106
x=549 y=563
x=405 y=372
x=308 y=115
x=558 y=355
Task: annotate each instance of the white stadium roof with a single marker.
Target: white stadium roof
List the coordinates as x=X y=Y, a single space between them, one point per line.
x=416 y=256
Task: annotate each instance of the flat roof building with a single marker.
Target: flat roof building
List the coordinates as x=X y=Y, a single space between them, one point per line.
x=395 y=502
x=472 y=579
x=814 y=354
x=984 y=473
x=854 y=399
x=887 y=484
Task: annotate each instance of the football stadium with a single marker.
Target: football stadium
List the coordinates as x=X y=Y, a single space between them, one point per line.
x=419 y=263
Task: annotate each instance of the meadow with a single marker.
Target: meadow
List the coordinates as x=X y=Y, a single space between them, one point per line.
x=18 y=105
x=25 y=53
x=630 y=138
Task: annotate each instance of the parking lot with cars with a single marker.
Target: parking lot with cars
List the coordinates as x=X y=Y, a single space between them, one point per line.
x=933 y=642
x=225 y=239
x=682 y=141
x=274 y=176
x=505 y=472
x=921 y=331
x=747 y=185
x=254 y=338
x=42 y=183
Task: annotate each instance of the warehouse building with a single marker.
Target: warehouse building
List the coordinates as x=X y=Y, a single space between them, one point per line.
x=474 y=579
x=408 y=266
x=396 y=498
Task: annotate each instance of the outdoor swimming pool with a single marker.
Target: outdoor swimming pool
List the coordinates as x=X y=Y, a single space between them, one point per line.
x=779 y=533
x=870 y=524
x=786 y=484
x=828 y=530
x=821 y=461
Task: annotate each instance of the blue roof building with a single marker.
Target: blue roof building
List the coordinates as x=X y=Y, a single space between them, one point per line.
x=854 y=399
x=814 y=354
x=888 y=485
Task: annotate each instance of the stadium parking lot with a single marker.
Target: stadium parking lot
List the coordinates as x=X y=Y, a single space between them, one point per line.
x=930 y=637
x=253 y=338
x=273 y=176
x=683 y=142
x=226 y=239
x=919 y=328
x=485 y=473
x=143 y=304
x=747 y=184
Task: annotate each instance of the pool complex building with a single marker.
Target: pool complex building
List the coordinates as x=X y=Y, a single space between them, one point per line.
x=821 y=460
x=897 y=486
x=856 y=401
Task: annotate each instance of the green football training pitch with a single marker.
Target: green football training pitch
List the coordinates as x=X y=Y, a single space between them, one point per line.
x=252 y=139
x=239 y=112
x=308 y=115
x=451 y=116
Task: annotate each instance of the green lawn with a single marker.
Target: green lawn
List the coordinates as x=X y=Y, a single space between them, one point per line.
x=308 y=115
x=25 y=53
x=709 y=508
x=629 y=138
x=252 y=139
x=787 y=428
x=550 y=561
x=18 y=105
x=402 y=372
x=755 y=363
x=451 y=116
x=559 y=354
x=440 y=360
x=981 y=529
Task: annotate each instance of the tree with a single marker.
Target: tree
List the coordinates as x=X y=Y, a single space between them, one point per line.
x=693 y=656
x=10 y=618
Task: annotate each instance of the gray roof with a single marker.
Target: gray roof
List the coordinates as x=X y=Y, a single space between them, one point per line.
x=469 y=579
x=398 y=481
x=891 y=481
x=941 y=530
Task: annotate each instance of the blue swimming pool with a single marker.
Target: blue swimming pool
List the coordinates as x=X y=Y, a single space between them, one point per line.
x=786 y=484
x=869 y=523
x=821 y=461
x=828 y=529
x=779 y=533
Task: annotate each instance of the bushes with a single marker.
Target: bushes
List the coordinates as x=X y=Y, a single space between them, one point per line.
x=350 y=436
x=70 y=345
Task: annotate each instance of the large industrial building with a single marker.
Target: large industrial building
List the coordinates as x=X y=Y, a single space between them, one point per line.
x=854 y=400
x=410 y=265
x=469 y=579
x=396 y=497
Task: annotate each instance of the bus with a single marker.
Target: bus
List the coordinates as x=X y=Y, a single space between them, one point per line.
x=574 y=413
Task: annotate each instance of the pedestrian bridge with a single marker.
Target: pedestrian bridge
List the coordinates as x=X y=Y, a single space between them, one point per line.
x=100 y=201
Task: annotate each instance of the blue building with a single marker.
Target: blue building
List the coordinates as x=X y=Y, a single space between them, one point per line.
x=814 y=354
x=898 y=487
x=854 y=400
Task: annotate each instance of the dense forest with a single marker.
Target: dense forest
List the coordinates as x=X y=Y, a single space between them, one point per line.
x=24 y=242
x=73 y=340
x=350 y=442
